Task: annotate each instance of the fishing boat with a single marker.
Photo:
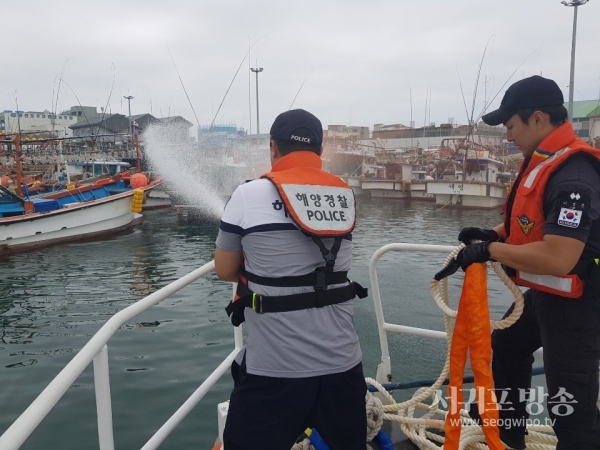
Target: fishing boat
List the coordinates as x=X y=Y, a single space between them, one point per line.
x=83 y=213
x=62 y=174
x=472 y=179
x=415 y=423
x=93 y=210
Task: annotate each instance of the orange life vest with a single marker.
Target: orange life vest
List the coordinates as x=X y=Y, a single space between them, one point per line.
x=320 y=203
x=524 y=209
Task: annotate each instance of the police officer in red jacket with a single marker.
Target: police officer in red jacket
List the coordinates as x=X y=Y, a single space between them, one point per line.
x=549 y=242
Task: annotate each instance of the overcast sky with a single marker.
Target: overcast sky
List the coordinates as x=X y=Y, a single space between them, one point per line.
x=359 y=60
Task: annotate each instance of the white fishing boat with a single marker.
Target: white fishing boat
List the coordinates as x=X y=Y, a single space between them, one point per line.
x=158 y=198
x=93 y=210
x=415 y=423
x=73 y=221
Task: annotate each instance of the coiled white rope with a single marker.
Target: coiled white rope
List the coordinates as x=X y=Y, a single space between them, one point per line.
x=303 y=445
x=426 y=431
x=374 y=416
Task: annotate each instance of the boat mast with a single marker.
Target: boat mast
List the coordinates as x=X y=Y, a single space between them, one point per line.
x=138 y=164
x=64 y=163
x=19 y=187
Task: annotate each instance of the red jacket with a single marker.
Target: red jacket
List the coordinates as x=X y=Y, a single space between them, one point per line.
x=525 y=218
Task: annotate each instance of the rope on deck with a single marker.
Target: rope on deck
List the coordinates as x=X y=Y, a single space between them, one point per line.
x=426 y=432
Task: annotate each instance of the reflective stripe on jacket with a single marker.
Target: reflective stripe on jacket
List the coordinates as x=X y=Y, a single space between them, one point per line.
x=525 y=220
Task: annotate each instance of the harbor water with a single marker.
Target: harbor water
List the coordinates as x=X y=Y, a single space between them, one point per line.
x=53 y=300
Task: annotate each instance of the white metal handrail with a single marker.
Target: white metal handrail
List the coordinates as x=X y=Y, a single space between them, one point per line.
x=384 y=369
x=96 y=351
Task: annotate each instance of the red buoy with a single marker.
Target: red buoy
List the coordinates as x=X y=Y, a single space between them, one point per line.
x=138 y=180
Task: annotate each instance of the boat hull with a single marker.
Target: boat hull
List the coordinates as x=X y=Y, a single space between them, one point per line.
x=73 y=223
x=158 y=198
x=467 y=194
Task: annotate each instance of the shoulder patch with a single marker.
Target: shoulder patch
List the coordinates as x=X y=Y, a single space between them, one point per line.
x=572 y=206
x=525 y=224
x=569 y=217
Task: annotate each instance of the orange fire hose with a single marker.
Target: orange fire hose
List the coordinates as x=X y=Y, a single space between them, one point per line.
x=472 y=335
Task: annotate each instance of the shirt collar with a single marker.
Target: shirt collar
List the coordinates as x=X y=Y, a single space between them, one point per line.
x=559 y=138
x=300 y=158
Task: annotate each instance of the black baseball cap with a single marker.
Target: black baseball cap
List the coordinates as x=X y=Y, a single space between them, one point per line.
x=532 y=92
x=298 y=125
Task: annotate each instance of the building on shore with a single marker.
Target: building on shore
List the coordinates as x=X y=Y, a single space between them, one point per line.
x=594 y=118
x=83 y=112
x=581 y=117
x=220 y=133
x=104 y=125
x=82 y=121
x=178 y=126
x=346 y=132
x=32 y=122
x=400 y=136
x=143 y=121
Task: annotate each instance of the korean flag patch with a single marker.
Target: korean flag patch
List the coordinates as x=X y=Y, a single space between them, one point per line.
x=569 y=217
x=572 y=206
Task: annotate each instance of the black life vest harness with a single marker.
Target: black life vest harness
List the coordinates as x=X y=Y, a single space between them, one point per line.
x=323 y=277
x=320 y=279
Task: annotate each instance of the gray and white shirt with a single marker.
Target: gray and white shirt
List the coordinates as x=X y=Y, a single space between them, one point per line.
x=295 y=344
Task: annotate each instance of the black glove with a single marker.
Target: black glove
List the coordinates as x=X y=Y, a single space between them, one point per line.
x=467 y=234
x=450 y=269
x=474 y=253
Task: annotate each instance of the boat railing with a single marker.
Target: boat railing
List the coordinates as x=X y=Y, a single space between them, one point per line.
x=96 y=352
x=384 y=370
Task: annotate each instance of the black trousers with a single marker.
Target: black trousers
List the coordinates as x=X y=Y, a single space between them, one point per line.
x=569 y=331
x=269 y=413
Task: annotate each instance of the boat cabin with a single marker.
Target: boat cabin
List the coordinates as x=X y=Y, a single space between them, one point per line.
x=91 y=169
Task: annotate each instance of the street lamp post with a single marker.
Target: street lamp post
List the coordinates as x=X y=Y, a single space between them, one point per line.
x=129 y=97
x=257 y=70
x=575 y=4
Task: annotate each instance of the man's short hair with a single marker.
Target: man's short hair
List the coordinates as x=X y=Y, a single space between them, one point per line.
x=558 y=114
x=286 y=146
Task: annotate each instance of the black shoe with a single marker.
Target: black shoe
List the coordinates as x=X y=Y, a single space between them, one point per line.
x=512 y=438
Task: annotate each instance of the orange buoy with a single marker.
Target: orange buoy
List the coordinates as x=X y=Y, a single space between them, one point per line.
x=4 y=181
x=138 y=180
